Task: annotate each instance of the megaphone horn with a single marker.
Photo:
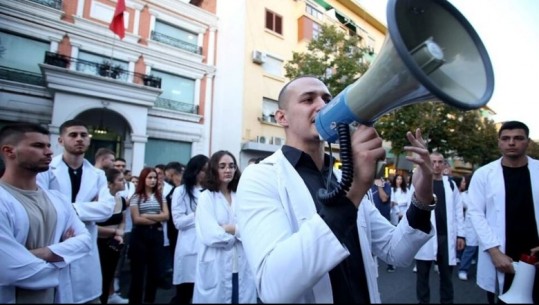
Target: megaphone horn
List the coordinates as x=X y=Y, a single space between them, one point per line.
x=430 y=53
x=521 y=290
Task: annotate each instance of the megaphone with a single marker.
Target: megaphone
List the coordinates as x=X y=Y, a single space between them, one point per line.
x=521 y=290
x=431 y=53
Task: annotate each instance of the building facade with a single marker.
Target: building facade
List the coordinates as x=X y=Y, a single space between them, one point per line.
x=260 y=37
x=146 y=96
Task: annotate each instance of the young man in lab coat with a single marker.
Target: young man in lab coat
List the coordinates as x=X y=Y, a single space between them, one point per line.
x=73 y=175
x=302 y=250
x=40 y=232
x=504 y=210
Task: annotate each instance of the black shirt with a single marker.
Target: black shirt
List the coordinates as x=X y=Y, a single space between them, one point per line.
x=440 y=212
x=76 y=177
x=348 y=279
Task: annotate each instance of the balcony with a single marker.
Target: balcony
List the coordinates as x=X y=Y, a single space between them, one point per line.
x=189 y=47
x=176 y=105
x=21 y=76
x=56 y=4
x=104 y=69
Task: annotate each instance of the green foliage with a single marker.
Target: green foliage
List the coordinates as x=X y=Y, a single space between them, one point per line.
x=449 y=130
x=333 y=57
x=533 y=149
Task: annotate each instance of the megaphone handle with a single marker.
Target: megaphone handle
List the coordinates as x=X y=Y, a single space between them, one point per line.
x=347 y=168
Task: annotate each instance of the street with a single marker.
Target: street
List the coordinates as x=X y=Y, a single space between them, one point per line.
x=395 y=288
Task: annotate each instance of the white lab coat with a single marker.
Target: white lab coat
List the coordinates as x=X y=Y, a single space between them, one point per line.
x=19 y=267
x=86 y=272
x=220 y=253
x=291 y=249
x=487 y=212
x=469 y=231
x=185 y=254
x=455 y=226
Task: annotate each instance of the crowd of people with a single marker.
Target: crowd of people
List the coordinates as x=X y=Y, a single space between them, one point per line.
x=289 y=229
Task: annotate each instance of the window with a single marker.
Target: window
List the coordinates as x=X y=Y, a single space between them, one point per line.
x=274 y=22
x=22 y=53
x=100 y=65
x=269 y=107
x=317 y=29
x=178 y=92
x=174 y=36
x=273 y=66
x=163 y=151
x=309 y=9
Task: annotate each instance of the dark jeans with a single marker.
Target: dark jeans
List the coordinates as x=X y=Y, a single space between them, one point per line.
x=109 y=259
x=446 y=274
x=235 y=289
x=145 y=253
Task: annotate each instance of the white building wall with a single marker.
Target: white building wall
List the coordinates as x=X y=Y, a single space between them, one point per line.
x=226 y=121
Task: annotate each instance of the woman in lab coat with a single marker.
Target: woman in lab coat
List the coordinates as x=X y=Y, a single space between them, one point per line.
x=222 y=274
x=184 y=204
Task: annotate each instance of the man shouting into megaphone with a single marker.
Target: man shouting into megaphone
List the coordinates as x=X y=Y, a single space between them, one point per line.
x=306 y=250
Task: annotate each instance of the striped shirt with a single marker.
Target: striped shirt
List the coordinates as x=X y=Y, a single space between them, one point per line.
x=150 y=206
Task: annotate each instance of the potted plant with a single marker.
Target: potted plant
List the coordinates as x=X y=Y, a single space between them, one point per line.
x=108 y=70
x=56 y=59
x=105 y=68
x=151 y=81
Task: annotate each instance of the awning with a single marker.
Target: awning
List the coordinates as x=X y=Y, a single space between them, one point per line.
x=324 y=4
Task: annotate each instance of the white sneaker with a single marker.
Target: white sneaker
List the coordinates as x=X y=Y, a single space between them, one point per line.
x=463 y=276
x=117 y=299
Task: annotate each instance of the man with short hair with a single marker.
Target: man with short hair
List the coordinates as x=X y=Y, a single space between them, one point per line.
x=448 y=218
x=504 y=211
x=104 y=158
x=306 y=249
x=73 y=175
x=40 y=232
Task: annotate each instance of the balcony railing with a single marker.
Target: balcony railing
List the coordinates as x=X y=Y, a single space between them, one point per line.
x=175 y=105
x=57 y=4
x=178 y=43
x=21 y=76
x=105 y=69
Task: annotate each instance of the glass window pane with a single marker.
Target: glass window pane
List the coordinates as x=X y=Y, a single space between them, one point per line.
x=176 y=88
x=269 y=20
x=22 y=53
x=175 y=32
x=91 y=63
x=273 y=66
x=278 y=24
x=164 y=151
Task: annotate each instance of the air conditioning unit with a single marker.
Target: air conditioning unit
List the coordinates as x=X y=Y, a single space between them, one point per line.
x=259 y=57
x=261 y=139
x=277 y=141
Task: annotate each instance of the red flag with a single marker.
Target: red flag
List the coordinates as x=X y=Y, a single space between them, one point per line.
x=117 y=24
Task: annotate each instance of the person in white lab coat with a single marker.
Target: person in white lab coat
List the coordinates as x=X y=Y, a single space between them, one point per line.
x=305 y=250
x=39 y=231
x=222 y=272
x=183 y=205
x=504 y=210
x=74 y=176
x=448 y=219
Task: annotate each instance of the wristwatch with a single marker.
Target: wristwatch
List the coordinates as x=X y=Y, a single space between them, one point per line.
x=423 y=206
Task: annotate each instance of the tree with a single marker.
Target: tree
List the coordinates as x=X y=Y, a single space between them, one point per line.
x=533 y=149
x=333 y=57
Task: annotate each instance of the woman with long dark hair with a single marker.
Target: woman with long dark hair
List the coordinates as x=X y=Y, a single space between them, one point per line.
x=400 y=195
x=184 y=204
x=222 y=274
x=148 y=210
